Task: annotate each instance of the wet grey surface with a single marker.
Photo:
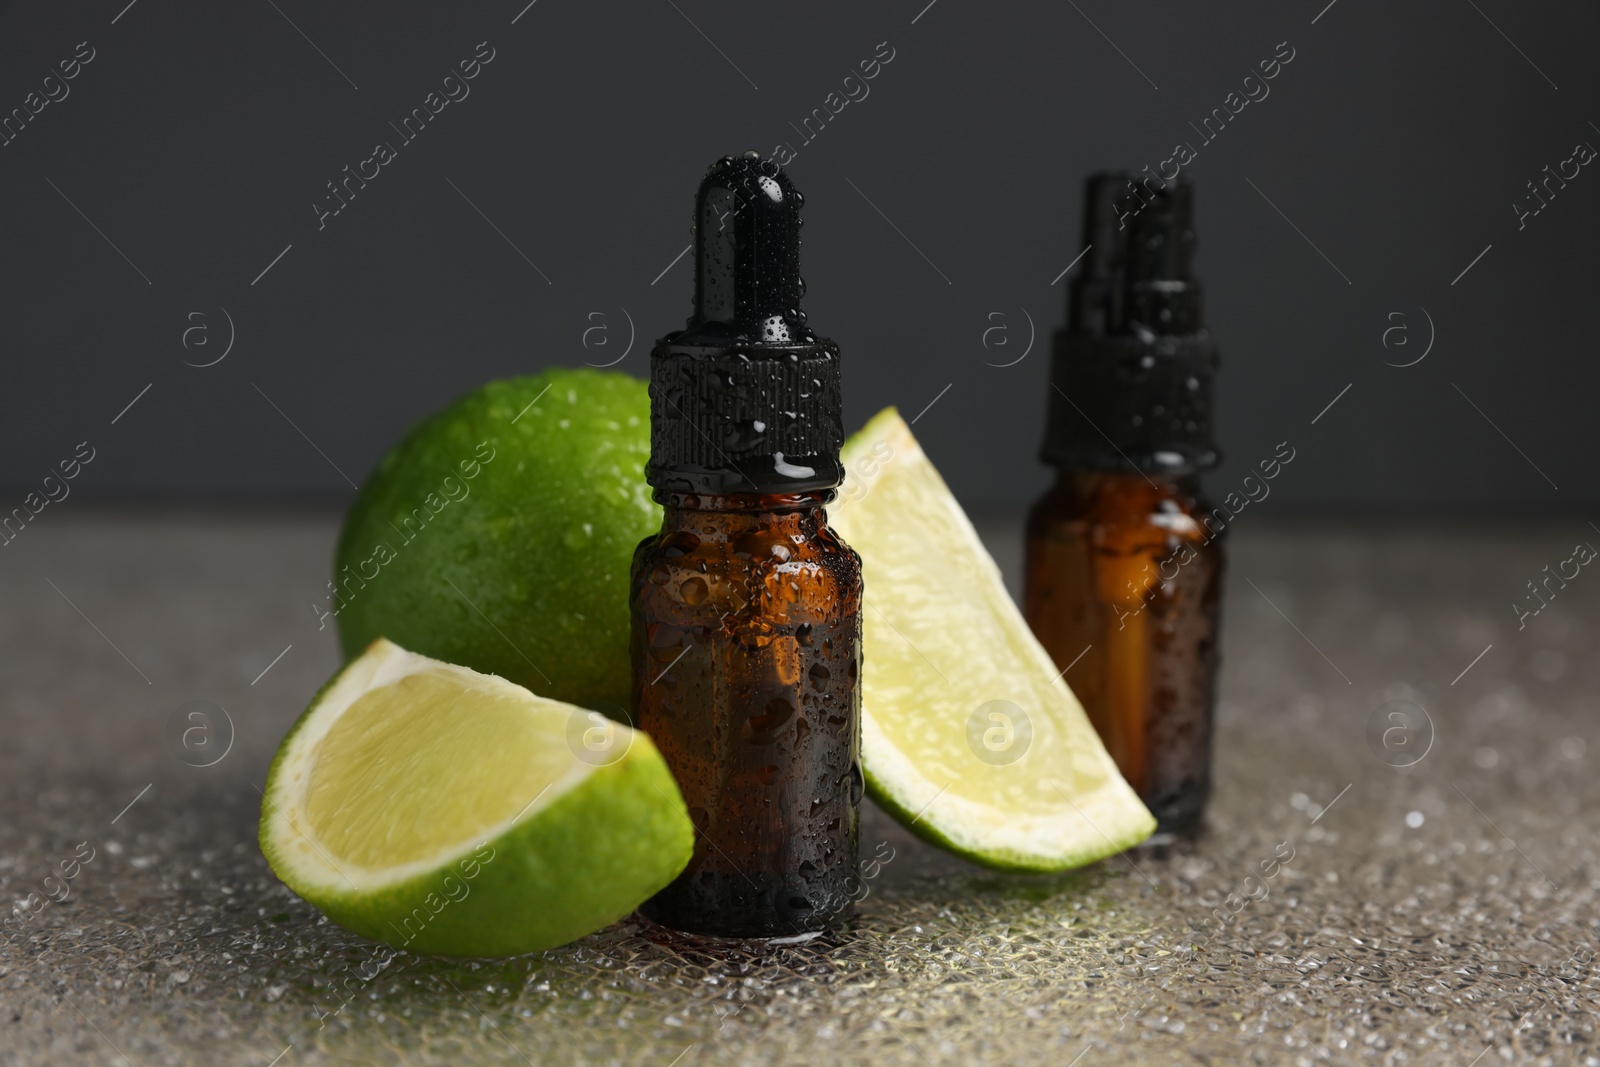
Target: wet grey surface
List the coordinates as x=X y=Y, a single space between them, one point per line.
x=1442 y=913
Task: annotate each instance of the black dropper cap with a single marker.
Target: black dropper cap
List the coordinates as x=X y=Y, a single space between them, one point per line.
x=1132 y=371
x=745 y=399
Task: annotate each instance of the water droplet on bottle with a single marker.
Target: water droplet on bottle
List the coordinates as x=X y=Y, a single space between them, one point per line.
x=761 y=728
x=694 y=591
x=819 y=676
x=750 y=546
x=680 y=542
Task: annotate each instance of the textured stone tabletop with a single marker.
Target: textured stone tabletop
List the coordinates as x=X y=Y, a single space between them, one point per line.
x=1438 y=913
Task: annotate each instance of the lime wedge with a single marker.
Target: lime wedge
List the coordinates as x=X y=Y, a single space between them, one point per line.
x=968 y=734
x=451 y=812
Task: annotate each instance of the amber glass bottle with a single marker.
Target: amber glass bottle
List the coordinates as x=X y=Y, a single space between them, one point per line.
x=746 y=606
x=1124 y=561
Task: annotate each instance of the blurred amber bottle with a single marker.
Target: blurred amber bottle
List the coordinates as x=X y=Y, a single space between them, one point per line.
x=1124 y=564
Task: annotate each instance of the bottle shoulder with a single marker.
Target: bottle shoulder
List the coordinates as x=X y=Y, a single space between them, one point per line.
x=782 y=574
x=740 y=542
x=1107 y=510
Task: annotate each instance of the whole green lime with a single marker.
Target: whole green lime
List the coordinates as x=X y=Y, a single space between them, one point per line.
x=499 y=532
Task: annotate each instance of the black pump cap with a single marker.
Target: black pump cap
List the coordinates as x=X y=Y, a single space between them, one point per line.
x=746 y=399
x=1132 y=371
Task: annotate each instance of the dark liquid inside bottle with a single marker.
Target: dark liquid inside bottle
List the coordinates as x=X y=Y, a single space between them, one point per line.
x=747 y=660
x=1123 y=567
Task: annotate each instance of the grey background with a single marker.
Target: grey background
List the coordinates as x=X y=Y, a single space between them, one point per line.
x=201 y=134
